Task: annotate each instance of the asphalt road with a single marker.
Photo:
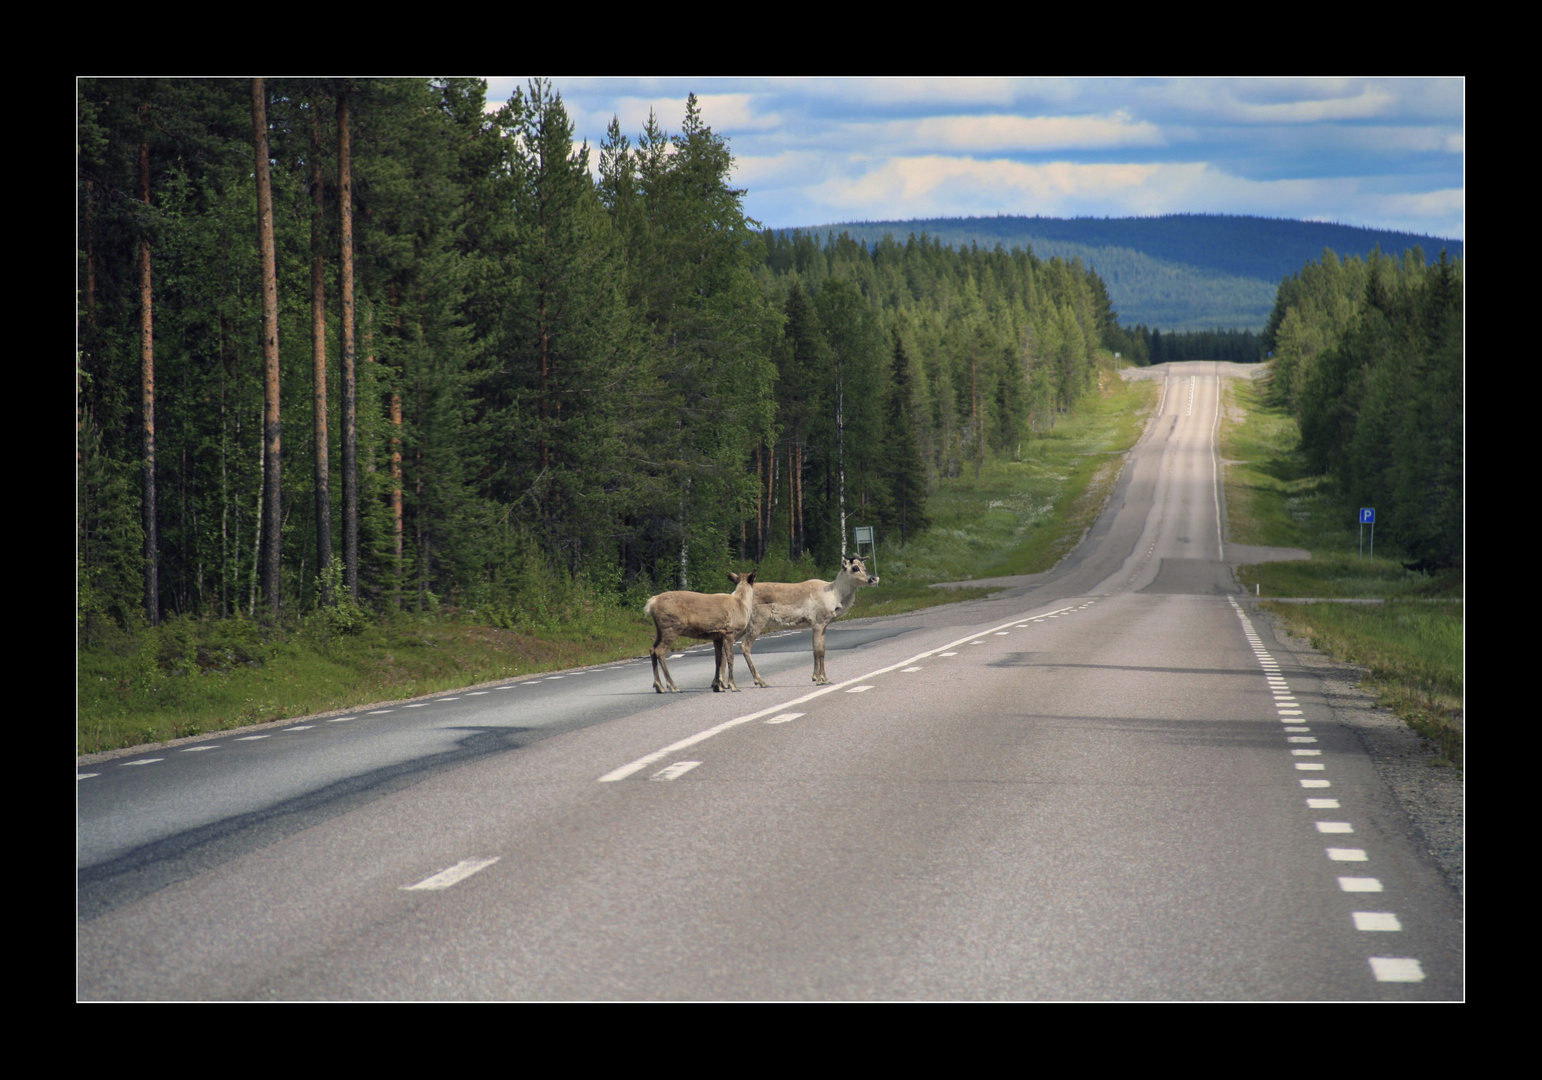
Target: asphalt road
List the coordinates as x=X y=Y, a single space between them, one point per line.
x=1108 y=783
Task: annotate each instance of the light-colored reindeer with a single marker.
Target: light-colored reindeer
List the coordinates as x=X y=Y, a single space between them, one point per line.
x=720 y=617
x=808 y=604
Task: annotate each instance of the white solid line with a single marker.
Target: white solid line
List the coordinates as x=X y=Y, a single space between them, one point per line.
x=1396 y=969
x=459 y=872
x=784 y=717
x=1346 y=854
x=679 y=768
x=1334 y=827
x=1376 y=920
x=948 y=654
x=858 y=689
x=1359 y=884
x=910 y=669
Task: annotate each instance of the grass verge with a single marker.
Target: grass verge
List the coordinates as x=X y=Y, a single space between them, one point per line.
x=189 y=676
x=1412 y=644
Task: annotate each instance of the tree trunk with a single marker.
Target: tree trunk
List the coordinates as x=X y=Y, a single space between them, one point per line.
x=350 y=386
x=147 y=399
x=273 y=526
x=319 y=361
x=396 y=481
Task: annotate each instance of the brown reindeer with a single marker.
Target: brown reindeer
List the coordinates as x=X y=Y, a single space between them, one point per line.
x=720 y=617
x=808 y=604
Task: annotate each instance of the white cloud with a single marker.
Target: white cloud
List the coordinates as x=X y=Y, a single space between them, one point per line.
x=1005 y=134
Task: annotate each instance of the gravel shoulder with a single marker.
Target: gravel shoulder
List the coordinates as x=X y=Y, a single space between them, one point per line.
x=1432 y=795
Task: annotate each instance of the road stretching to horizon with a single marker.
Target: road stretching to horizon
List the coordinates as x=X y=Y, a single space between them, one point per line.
x=1109 y=782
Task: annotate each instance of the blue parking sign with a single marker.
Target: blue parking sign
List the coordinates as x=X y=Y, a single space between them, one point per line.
x=1367 y=515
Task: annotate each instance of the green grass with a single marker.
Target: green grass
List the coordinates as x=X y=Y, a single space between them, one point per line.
x=189 y=677
x=1412 y=644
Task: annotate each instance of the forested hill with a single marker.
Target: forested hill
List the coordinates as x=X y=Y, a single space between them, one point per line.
x=1175 y=272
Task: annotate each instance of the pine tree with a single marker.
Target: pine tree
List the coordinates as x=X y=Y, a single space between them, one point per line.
x=905 y=508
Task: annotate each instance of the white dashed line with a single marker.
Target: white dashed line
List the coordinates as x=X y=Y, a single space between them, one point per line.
x=1396 y=969
x=857 y=689
x=86 y=775
x=679 y=768
x=250 y=738
x=143 y=761
x=1376 y=920
x=1346 y=854
x=1334 y=827
x=459 y=872
x=1359 y=884
x=782 y=718
x=195 y=749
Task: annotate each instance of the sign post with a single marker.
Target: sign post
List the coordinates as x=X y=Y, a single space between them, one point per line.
x=1367 y=517
x=864 y=535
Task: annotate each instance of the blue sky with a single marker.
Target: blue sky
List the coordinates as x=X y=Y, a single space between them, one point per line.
x=1377 y=152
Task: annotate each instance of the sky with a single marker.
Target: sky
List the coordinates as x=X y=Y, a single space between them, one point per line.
x=1385 y=153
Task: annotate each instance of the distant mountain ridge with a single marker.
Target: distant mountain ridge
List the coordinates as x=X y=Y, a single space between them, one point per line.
x=1173 y=272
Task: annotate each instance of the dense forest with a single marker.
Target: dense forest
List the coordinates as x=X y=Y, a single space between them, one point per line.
x=1175 y=272
x=364 y=344
x=1368 y=356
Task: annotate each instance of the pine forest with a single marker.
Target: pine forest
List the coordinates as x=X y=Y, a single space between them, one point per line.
x=364 y=345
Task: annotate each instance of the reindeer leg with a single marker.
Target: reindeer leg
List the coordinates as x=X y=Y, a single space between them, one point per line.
x=819 y=655
x=718 y=685
x=660 y=647
x=728 y=651
x=744 y=647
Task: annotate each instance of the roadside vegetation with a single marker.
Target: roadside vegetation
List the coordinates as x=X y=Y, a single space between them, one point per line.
x=1411 y=644
x=194 y=675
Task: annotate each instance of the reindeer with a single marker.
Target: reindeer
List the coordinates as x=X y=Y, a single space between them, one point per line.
x=814 y=604
x=722 y=617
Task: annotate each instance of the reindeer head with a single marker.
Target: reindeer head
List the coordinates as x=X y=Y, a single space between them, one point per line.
x=854 y=566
